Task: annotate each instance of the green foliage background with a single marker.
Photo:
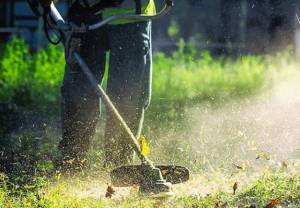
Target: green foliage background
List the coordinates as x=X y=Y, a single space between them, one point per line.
x=179 y=79
x=30 y=79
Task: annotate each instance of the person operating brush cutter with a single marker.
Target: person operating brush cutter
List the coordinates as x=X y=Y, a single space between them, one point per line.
x=129 y=78
x=129 y=86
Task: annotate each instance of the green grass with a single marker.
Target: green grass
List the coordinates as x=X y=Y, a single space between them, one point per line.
x=276 y=185
x=180 y=81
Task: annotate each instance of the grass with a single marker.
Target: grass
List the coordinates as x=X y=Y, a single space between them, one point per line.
x=181 y=81
x=282 y=186
x=182 y=78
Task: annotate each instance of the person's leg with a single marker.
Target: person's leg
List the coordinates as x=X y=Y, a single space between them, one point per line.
x=129 y=86
x=80 y=103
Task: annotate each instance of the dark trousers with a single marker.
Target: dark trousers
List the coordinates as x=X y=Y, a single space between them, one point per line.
x=128 y=86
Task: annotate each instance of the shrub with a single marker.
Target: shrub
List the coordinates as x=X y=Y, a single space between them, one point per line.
x=179 y=79
x=47 y=76
x=30 y=80
x=182 y=79
x=15 y=72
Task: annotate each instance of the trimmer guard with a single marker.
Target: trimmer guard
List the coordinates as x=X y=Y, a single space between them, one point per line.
x=133 y=175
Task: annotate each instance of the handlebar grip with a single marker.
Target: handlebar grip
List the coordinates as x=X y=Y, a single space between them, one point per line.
x=58 y=19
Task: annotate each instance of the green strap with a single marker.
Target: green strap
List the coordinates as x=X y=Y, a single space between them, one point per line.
x=146 y=8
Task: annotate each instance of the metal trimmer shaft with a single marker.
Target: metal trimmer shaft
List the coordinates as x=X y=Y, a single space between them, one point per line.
x=133 y=140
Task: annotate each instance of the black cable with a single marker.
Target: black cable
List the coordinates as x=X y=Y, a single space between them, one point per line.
x=46 y=30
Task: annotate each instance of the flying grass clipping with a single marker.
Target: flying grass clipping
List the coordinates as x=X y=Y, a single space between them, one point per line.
x=145 y=149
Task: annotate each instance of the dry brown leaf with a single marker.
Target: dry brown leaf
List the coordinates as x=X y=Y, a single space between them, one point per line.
x=284 y=164
x=235 y=187
x=273 y=203
x=109 y=191
x=238 y=166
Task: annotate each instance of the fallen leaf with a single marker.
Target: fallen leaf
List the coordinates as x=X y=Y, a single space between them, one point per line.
x=273 y=203
x=145 y=149
x=235 y=187
x=109 y=191
x=284 y=164
x=238 y=166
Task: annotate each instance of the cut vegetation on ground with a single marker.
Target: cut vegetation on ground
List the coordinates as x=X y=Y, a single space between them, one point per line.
x=233 y=122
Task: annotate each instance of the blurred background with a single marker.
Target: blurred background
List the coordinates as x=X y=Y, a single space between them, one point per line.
x=220 y=26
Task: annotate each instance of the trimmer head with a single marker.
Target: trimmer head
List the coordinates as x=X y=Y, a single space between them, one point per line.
x=155 y=180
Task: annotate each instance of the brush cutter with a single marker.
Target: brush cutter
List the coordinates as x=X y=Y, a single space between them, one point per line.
x=149 y=177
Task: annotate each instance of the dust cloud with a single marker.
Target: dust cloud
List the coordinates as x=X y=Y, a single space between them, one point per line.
x=224 y=144
x=266 y=127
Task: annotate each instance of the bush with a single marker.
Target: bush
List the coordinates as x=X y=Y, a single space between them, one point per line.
x=15 y=72
x=184 y=79
x=47 y=76
x=179 y=79
x=30 y=80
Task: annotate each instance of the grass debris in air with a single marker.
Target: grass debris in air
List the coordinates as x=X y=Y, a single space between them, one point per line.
x=201 y=116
